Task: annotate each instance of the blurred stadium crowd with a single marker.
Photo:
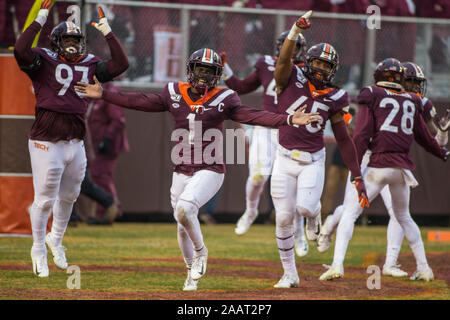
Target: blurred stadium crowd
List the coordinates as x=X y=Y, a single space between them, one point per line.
x=246 y=37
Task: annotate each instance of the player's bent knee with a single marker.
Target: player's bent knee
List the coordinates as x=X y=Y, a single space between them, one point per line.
x=44 y=204
x=307 y=213
x=284 y=219
x=184 y=211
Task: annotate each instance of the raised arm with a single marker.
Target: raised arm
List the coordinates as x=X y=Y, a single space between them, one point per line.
x=26 y=58
x=107 y=70
x=129 y=100
x=284 y=64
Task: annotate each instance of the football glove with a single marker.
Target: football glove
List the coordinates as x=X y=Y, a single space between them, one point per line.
x=362 y=193
x=46 y=5
x=302 y=23
x=102 y=24
x=227 y=72
x=443 y=123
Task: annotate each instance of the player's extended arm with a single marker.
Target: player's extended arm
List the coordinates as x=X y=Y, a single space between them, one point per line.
x=26 y=58
x=426 y=140
x=348 y=151
x=363 y=130
x=119 y=61
x=129 y=100
x=263 y=118
x=284 y=64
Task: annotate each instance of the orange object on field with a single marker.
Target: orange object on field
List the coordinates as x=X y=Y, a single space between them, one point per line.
x=439 y=236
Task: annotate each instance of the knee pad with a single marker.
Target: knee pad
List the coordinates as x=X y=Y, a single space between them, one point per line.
x=284 y=219
x=184 y=211
x=258 y=180
x=44 y=204
x=308 y=212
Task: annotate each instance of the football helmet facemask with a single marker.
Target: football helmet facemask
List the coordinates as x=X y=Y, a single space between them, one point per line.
x=67 y=40
x=204 y=69
x=323 y=52
x=415 y=80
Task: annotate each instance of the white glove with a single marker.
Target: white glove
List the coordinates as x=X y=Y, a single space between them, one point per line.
x=302 y=23
x=102 y=24
x=227 y=73
x=42 y=17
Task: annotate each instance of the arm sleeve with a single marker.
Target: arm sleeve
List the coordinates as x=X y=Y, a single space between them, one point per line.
x=423 y=137
x=136 y=101
x=107 y=70
x=346 y=147
x=249 y=84
x=23 y=53
x=363 y=131
x=257 y=117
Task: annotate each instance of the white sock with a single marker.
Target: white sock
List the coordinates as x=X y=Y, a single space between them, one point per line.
x=253 y=192
x=61 y=216
x=412 y=234
x=299 y=222
x=39 y=218
x=343 y=236
x=394 y=241
x=285 y=242
x=185 y=244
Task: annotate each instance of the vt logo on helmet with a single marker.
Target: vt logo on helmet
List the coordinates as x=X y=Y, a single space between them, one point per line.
x=67 y=40
x=322 y=62
x=204 y=69
x=389 y=73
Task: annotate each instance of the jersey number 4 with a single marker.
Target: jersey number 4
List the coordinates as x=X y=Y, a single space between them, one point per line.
x=407 y=121
x=67 y=80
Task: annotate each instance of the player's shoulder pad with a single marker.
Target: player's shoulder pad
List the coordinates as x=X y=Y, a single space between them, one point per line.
x=89 y=59
x=46 y=54
x=173 y=91
x=224 y=95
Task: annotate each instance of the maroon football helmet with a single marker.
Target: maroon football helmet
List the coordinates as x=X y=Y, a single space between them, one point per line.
x=70 y=52
x=415 y=80
x=324 y=52
x=389 y=73
x=199 y=79
x=300 y=54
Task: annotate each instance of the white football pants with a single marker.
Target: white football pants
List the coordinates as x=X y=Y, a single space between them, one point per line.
x=58 y=170
x=262 y=152
x=296 y=189
x=399 y=182
x=187 y=195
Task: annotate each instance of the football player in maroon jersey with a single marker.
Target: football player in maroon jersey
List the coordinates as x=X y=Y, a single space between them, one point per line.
x=299 y=168
x=264 y=141
x=199 y=108
x=389 y=118
x=57 y=153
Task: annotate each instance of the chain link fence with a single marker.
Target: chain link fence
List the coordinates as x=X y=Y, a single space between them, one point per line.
x=159 y=38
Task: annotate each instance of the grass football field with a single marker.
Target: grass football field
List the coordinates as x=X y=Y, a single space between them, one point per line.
x=143 y=261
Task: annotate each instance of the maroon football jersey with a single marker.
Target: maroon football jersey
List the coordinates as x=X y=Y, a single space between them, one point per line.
x=393 y=118
x=428 y=111
x=218 y=105
x=298 y=93
x=266 y=66
x=53 y=83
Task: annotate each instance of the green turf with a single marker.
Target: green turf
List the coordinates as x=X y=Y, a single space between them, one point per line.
x=136 y=246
